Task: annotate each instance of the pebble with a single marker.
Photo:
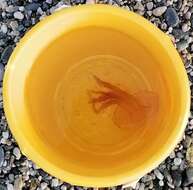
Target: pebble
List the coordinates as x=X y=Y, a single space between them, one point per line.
x=3 y=4
x=172 y=155
x=158 y=174
x=43 y=185
x=18 y=15
x=177 y=178
x=63 y=187
x=178 y=33
x=2 y=156
x=1 y=71
x=32 y=6
x=189 y=176
x=4 y=28
x=182 y=45
x=171 y=17
x=177 y=161
x=5 y=135
x=142 y=186
x=161 y=183
x=149 y=6
x=55 y=182
x=10 y=186
x=17 y=153
x=188 y=15
x=189 y=155
x=18 y=184
x=185 y=27
x=159 y=11
x=2 y=187
x=6 y=53
x=13 y=25
x=188 y=140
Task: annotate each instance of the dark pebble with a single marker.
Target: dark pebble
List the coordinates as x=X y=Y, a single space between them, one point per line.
x=179 y=4
x=2 y=156
x=1 y=71
x=2 y=187
x=45 y=6
x=189 y=176
x=191 y=20
x=6 y=54
x=32 y=6
x=171 y=17
x=161 y=3
x=177 y=177
x=178 y=33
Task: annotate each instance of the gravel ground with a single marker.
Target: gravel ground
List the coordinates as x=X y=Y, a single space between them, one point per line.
x=174 y=17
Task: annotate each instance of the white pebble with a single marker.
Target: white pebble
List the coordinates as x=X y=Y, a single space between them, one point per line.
x=49 y=1
x=4 y=28
x=188 y=15
x=172 y=155
x=40 y=178
x=63 y=187
x=13 y=25
x=149 y=6
x=17 y=153
x=158 y=174
x=5 y=135
x=185 y=27
x=18 y=15
x=159 y=11
x=43 y=185
x=10 y=186
x=142 y=186
x=21 y=8
x=161 y=183
x=55 y=182
x=177 y=161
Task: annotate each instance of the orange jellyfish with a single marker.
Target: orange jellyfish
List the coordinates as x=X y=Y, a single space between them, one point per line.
x=130 y=109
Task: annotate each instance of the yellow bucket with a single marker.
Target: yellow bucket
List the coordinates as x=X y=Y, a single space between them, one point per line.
x=96 y=95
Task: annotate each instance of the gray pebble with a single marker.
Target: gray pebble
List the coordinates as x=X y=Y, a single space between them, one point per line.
x=177 y=178
x=178 y=33
x=159 y=11
x=2 y=187
x=182 y=45
x=18 y=184
x=6 y=53
x=4 y=28
x=32 y=6
x=13 y=25
x=18 y=15
x=146 y=178
x=142 y=186
x=1 y=71
x=3 y=4
x=177 y=161
x=171 y=17
x=11 y=9
x=189 y=176
x=172 y=155
x=2 y=156
x=17 y=153
x=158 y=174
